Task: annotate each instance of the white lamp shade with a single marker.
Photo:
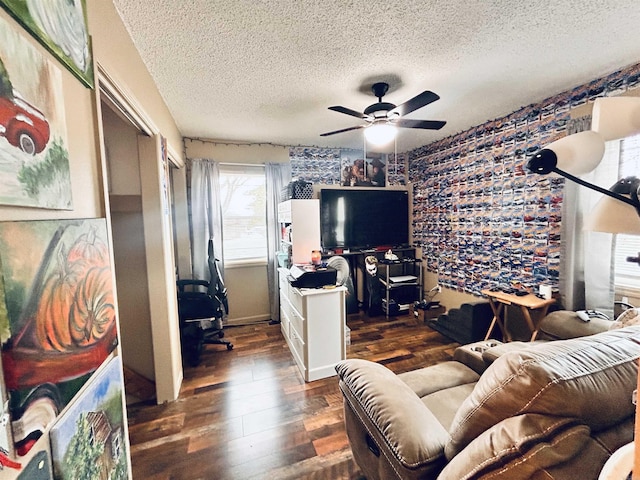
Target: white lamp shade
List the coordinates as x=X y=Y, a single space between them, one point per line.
x=380 y=133
x=616 y=117
x=578 y=153
x=613 y=216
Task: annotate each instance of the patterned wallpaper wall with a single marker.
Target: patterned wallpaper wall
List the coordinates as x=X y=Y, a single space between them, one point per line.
x=481 y=219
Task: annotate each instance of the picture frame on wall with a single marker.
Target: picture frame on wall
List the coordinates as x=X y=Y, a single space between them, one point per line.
x=360 y=169
x=377 y=169
x=62 y=28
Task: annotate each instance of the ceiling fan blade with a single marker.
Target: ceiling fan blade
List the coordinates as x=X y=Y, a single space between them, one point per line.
x=426 y=124
x=419 y=101
x=343 y=130
x=348 y=111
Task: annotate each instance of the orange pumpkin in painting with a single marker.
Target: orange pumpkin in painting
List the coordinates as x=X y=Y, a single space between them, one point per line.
x=52 y=324
x=90 y=249
x=92 y=313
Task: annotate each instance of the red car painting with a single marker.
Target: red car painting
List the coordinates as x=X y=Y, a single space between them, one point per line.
x=23 y=125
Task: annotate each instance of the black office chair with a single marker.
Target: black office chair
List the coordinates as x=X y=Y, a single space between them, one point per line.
x=201 y=312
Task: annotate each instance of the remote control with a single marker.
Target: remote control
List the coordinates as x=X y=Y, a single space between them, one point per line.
x=586 y=315
x=583 y=315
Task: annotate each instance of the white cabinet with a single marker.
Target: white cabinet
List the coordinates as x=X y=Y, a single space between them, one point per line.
x=313 y=324
x=299 y=228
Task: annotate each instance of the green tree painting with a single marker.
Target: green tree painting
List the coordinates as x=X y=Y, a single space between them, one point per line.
x=6 y=88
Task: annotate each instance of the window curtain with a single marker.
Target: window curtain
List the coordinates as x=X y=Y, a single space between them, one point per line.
x=277 y=176
x=206 y=215
x=587 y=279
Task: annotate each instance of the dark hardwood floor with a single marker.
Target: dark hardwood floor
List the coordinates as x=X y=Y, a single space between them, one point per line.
x=248 y=414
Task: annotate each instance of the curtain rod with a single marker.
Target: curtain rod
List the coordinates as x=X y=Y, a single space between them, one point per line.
x=269 y=144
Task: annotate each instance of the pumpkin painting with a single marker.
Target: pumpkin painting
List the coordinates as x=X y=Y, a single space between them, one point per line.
x=77 y=307
x=89 y=248
x=92 y=312
x=58 y=294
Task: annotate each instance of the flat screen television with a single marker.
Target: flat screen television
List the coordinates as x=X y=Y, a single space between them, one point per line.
x=362 y=219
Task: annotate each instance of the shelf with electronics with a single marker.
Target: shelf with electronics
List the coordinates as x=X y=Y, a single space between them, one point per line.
x=401 y=279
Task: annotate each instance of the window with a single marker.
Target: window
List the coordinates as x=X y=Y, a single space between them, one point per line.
x=627 y=274
x=244 y=223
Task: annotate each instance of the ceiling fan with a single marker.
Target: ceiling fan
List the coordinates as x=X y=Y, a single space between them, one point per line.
x=384 y=113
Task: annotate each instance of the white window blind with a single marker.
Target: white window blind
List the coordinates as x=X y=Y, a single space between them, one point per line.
x=627 y=274
x=244 y=223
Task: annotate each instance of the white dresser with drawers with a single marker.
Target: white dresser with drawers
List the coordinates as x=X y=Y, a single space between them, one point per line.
x=313 y=324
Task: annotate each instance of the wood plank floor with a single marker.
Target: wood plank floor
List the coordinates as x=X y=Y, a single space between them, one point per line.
x=248 y=414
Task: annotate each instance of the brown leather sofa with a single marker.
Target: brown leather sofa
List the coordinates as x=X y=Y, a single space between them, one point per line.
x=547 y=410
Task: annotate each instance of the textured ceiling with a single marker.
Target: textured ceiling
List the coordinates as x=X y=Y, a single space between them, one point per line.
x=266 y=71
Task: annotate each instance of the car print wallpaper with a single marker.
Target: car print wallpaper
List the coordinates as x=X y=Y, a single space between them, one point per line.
x=34 y=160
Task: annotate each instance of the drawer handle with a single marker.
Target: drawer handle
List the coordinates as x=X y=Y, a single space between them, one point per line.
x=371 y=445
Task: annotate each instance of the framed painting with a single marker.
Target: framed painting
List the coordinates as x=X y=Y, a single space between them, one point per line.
x=57 y=320
x=34 y=161
x=61 y=26
x=377 y=169
x=88 y=441
x=353 y=168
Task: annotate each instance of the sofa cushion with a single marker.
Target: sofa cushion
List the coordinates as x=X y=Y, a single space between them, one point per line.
x=428 y=380
x=518 y=447
x=570 y=378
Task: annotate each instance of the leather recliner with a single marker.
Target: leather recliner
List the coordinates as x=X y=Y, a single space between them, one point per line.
x=548 y=410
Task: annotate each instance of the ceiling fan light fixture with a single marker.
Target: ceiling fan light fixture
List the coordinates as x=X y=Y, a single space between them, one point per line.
x=380 y=133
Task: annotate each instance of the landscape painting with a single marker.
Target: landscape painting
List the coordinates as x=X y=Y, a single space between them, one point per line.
x=34 y=159
x=61 y=26
x=88 y=441
x=57 y=318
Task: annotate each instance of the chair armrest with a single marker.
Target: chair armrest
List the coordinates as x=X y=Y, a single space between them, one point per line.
x=191 y=283
x=392 y=413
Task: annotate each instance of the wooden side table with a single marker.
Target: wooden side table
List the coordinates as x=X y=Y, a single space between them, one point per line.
x=528 y=304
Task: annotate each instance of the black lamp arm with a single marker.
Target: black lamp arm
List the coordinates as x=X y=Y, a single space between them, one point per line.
x=630 y=201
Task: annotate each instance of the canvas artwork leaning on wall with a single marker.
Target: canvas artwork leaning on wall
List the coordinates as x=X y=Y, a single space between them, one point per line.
x=57 y=316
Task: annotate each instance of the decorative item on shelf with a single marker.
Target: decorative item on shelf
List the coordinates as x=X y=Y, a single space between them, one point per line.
x=316 y=257
x=580 y=153
x=390 y=256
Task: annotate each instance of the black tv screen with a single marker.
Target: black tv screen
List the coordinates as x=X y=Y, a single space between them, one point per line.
x=358 y=219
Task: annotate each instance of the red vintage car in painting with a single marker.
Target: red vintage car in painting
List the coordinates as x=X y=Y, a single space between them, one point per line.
x=23 y=125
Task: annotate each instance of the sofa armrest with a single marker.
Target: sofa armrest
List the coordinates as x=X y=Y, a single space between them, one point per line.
x=403 y=428
x=565 y=324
